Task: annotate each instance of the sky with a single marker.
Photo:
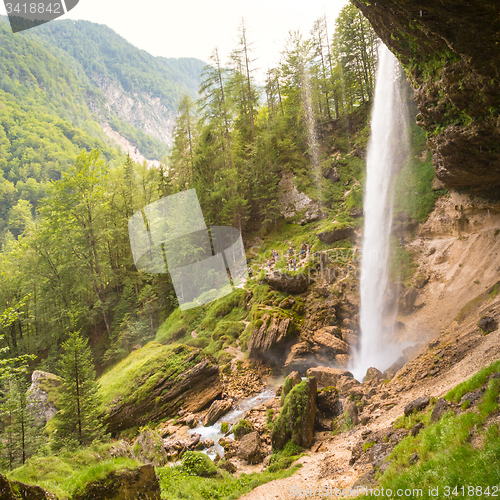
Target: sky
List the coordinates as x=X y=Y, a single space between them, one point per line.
x=193 y=28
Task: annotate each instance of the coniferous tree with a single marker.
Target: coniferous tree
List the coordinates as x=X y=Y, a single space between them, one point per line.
x=78 y=418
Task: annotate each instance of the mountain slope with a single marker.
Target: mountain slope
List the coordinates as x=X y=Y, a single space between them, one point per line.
x=125 y=85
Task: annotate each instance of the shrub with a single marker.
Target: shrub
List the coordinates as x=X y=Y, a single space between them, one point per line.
x=196 y=463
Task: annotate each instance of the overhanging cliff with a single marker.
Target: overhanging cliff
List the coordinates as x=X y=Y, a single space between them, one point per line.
x=451 y=51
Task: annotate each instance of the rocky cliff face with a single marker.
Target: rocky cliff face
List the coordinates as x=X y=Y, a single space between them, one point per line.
x=451 y=51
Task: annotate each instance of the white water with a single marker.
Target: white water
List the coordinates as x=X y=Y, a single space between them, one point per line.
x=387 y=149
x=232 y=418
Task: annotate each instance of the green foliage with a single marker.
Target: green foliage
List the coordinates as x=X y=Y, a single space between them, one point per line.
x=67 y=473
x=133 y=378
x=196 y=463
x=78 y=417
x=283 y=459
x=472 y=383
x=176 y=483
x=224 y=427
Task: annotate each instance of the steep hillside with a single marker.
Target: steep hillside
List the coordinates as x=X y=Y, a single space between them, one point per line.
x=125 y=86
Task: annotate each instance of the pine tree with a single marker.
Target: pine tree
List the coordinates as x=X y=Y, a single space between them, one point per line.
x=78 y=417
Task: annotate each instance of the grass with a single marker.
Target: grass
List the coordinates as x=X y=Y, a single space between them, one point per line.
x=473 y=383
x=446 y=458
x=133 y=378
x=67 y=473
x=177 y=484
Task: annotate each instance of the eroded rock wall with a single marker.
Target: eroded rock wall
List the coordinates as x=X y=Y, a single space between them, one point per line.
x=451 y=51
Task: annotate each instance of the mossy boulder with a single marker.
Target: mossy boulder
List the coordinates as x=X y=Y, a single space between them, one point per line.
x=157 y=381
x=296 y=420
x=13 y=490
x=291 y=381
x=198 y=464
x=148 y=448
x=136 y=484
x=242 y=428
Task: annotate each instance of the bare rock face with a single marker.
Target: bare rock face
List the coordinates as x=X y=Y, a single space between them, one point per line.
x=326 y=339
x=334 y=235
x=137 y=484
x=216 y=410
x=287 y=284
x=13 y=490
x=271 y=338
x=451 y=52
x=42 y=396
x=328 y=377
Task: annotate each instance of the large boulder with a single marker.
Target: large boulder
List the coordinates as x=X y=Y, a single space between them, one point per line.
x=327 y=376
x=287 y=284
x=335 y=235
x=291 y=381
x=216 y=410
x=13 y=490
x=416 y=405
x=329 y=342
x=148 y=448
x=251 y=449
x=136 y=484
x=156 y=382
x=271 y=338
x=42 y=396
x=296 y=420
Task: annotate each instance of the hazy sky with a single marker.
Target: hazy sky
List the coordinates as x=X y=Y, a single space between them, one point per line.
x=193 y=28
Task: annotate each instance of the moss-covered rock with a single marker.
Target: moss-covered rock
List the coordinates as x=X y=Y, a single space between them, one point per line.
x=451 y=52
x=155 y=382
x=198 y=464
x=296 y=419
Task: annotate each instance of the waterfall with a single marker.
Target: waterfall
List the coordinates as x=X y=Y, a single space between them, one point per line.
x=387 y=148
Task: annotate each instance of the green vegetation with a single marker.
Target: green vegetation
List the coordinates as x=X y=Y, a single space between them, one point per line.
x=283 y=459
x=474 y=382
x=446 y=457
x=175 y=483
x=132 y=379
x=67 y=473
x=196 y=463
x=241 y=428
x=78 y=416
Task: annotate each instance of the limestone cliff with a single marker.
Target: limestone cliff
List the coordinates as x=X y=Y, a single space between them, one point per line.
x=451 y=51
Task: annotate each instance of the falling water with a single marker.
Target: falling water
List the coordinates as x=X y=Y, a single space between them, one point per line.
x=387 y=149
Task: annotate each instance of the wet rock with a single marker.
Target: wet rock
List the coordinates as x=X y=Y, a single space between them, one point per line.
x=328 y=377
x=296 y=419
x=287 y=284
x=140 y=483
x=334 y=235
x=417 y=404
x=191 y=421
x=251 y=449
x=218 y=408
x=42 y=396
x=271 y=337
x=208 y=442
x=487 y=324
x=356 y=212
x=439 y=410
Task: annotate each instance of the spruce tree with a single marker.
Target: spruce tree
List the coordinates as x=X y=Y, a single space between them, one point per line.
x=78 y=418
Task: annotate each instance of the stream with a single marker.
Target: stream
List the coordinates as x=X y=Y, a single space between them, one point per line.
x=234 y=415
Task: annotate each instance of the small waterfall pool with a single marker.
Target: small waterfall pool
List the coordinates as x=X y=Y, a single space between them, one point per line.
x=233 y=416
